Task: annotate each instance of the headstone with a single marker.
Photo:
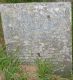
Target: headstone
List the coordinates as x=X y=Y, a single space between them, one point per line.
x=39 y=30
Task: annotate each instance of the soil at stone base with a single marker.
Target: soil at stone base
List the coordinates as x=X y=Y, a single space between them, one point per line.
x=31 y=70
x=1 y=76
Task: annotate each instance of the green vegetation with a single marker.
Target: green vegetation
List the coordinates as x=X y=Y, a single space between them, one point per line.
x=45 y=69
x=10 y=67
x=71 y=77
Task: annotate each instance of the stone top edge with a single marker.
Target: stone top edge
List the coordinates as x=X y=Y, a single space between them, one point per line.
x=19 y=6
x=36 y=3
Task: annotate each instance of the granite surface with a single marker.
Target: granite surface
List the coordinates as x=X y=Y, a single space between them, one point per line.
x=39 y=30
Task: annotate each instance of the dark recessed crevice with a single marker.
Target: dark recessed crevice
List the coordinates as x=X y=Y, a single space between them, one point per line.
x=2 y=42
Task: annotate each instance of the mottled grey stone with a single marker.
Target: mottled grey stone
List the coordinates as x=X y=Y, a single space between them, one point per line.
x=43 y=28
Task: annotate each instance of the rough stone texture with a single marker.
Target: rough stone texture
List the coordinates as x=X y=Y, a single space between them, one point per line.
x=39 y=29
x=64 y=0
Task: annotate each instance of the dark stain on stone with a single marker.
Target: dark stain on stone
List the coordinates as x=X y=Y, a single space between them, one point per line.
x=48 y=16
x=38 y=54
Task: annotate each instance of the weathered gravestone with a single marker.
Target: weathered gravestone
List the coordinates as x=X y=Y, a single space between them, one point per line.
x=39 y=30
